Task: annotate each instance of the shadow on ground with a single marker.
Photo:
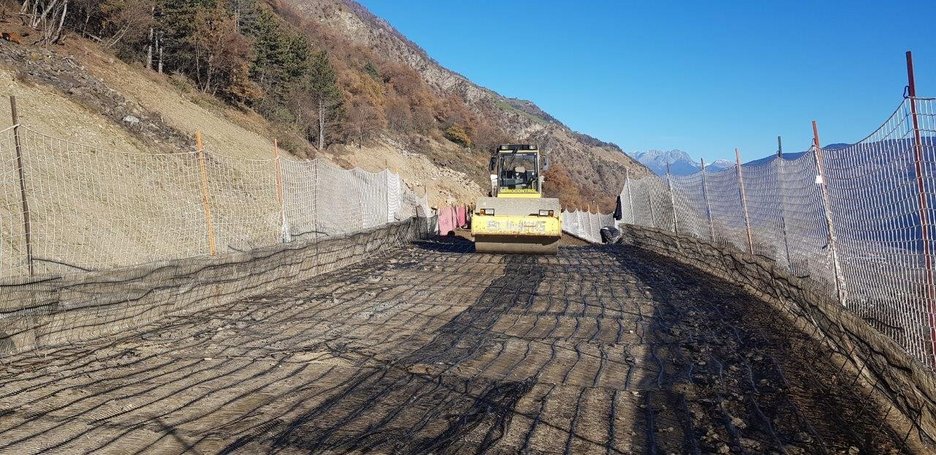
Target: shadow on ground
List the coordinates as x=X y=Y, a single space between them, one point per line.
x=435 y=349
x=733 y=377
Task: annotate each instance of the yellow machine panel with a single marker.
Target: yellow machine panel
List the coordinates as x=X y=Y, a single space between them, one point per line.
x=517 y=218
x=516 y=225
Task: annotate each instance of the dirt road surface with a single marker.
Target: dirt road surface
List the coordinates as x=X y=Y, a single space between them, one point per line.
x=433 y=349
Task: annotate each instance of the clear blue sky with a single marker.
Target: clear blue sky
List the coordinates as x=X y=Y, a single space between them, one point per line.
x=701 y=76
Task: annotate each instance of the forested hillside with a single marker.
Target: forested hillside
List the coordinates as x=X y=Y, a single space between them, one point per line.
x=321 y=85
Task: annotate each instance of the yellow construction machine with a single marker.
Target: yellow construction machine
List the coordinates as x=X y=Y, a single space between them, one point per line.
x=517 y=218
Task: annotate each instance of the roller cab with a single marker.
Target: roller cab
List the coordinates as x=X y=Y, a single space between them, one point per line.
x=517 y=218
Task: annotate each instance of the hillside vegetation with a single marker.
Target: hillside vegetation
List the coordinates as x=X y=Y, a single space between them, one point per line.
x=596 y=168
x=322 y=82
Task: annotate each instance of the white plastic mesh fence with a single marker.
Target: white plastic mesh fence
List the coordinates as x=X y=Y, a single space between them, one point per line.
x=585 y=225
x=93 y=208
x=687 y=195
x=243 y=198
x=880 y=194
x=881 y=191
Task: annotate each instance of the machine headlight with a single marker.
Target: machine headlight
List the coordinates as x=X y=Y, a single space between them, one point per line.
x=545 y=213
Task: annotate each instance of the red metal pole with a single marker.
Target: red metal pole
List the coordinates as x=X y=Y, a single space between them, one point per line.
x=924 y=217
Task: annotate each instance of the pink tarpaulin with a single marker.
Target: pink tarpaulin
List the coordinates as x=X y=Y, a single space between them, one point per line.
x=447 y=220
x=461 y=215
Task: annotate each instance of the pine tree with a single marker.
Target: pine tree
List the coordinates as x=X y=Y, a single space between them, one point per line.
x=176 y=25
x=322 y=86
x=280 y=56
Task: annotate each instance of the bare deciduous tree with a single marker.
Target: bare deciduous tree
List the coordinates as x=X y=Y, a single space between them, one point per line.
x=221 y=53
x=128 y=17
x=364 y=120
x=46 y=16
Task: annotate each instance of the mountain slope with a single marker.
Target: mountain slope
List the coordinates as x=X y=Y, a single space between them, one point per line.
x=596 y=167
x=680 y=163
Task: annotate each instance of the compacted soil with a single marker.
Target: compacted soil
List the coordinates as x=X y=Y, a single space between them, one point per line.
x=436 y=349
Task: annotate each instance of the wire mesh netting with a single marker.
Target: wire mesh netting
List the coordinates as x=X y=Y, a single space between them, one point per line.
x=585 y=225
x=861 y=226
x=91 y=208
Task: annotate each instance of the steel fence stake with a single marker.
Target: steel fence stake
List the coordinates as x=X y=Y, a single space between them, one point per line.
x=206 y=196
x=921 y=187
x=827 y=208
x=669 y=182
x=22 y=185
x=708 y=208
x=747 y=220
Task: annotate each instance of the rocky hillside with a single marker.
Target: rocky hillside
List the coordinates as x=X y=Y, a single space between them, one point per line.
x=595 y=168
x=325 y=78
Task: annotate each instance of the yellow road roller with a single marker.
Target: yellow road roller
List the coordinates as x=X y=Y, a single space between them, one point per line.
x=517 y=218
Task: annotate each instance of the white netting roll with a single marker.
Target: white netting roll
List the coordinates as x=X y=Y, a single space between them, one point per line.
x=570 y=222
x=628 y=214
x=585 y=225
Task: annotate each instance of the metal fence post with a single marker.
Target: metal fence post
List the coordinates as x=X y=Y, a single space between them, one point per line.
x=206 y=197
x=921 y=187
x=708 y=208
x=827 y=208
x=630 y=195
x=783 y=229
x=315 y=192
x=591 y=224
x=363 y=202
x=280 y=199
x=747 y=220
x=669 y=182
x=22 y=184
x=389 y=216
x=652 y=216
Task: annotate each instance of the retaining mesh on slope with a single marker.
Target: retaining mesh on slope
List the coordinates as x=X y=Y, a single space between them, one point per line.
x=93 y=208
x=874 y=258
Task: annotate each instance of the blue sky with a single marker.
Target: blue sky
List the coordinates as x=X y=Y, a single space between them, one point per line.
x=700 y=76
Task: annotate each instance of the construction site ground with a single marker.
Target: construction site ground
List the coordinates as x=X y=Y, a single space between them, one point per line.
x=436 y=349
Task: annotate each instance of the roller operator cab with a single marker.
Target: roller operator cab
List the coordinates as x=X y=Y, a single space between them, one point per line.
x=517 y=218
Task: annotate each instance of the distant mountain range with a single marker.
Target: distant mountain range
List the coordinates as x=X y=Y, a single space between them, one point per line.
x=680 y=162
